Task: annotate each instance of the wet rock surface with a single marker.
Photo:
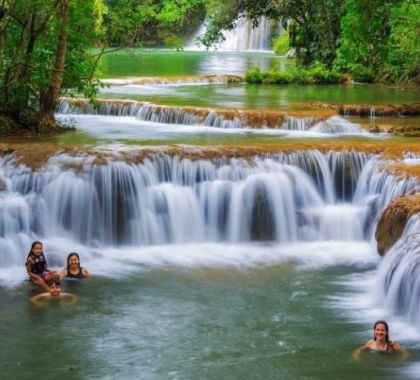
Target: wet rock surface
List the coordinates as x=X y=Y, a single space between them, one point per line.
x=393 y=221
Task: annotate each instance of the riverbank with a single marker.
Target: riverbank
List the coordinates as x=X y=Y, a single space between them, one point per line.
x=29 y=128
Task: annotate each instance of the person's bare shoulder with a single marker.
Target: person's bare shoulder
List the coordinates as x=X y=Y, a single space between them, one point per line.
x=370 y=344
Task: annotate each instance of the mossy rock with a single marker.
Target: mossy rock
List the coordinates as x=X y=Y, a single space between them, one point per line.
x=394 y=219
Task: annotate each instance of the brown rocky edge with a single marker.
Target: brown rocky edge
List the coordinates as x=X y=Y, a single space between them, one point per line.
x=211 y=79
x=382 y=110
x=34 y=155
x=394 y=219
x=369 y=110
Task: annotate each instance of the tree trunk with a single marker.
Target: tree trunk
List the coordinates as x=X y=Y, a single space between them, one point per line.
x=50 y=98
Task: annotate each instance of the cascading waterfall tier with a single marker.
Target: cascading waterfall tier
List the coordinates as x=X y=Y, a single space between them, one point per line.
x=242 y=38
x=398 y=280
x=189 y=115
x=284 y=197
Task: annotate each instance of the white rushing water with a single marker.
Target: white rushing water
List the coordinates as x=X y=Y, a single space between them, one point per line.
x=390 y=292
x=140 y=120
x=242 y=38
x=282 y=198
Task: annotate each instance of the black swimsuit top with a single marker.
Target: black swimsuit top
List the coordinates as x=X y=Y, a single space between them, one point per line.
x=78 y=275
x=39 y=264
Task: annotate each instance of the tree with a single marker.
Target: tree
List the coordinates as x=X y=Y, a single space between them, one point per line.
x=151 y=22
x=314 y=24
x=44 y=45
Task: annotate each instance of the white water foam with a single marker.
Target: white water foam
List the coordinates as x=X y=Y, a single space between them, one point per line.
x=122 y=261
x=114 y=128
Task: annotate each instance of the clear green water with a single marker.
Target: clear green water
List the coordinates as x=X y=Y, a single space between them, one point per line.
x=143 y=63
x=147 y=62
x=266 y=323
x=249 y=96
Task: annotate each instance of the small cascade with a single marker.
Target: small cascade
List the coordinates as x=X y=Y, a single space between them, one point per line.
x=375 y=189
x=242 y=38
x=298 y=124
x=336 y=222
x=398 y=279
x=336 y=125
x=175 y=115
x=222 y=118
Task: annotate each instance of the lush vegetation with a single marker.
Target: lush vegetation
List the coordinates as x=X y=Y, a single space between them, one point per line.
x=44 y=48
x=152 y=22
x=315 y=74
x=373 y=40
x=46 y=45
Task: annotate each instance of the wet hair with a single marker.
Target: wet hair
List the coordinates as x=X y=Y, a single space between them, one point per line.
x=386 y=328
x=56 y=283
x=33 y=246
x=69 y=257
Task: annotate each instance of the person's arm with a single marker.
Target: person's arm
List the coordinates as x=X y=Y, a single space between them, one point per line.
x=71 y=297
x=85 y=272
x=358 y=351
x=404 y=353
x=29 y=267
x=36 y=299
x=63 y=273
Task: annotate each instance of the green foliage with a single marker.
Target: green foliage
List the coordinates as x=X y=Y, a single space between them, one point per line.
x=152 y=22
x=369 y=39
x=44 y=46
x=254 y=75
x=379 y=40
x=315 y=74
x=314 y=24
x=282 y=45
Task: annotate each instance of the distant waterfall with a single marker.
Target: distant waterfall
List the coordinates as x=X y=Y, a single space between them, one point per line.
x=398 y=281
x=166 y=199
x=243 y=37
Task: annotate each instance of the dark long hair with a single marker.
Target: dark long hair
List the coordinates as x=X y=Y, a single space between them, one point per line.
x=69 y=257
x=33 y=245
x=386 y=327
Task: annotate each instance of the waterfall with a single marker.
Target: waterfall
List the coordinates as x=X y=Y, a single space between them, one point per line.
x=285 y=197
x=398 y=279
x=204 y=116
x=336 y=124
x=243 y=37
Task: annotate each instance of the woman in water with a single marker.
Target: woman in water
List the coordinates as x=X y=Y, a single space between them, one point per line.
x=37 y=268
x=54 y=293
x=380 y=342
x=73 y=269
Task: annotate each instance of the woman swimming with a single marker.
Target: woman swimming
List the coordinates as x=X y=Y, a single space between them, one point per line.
x=380 y=342
x=73 y=269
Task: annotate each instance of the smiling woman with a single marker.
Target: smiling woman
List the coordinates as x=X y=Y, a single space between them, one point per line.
x=380 y=342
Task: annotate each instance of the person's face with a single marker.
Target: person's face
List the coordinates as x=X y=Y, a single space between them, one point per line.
x=380 y=331
x=37 y=249
x=55 y=290
x=74 y=261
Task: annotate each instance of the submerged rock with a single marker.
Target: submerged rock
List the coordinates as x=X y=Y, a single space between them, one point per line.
x=394 y=219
